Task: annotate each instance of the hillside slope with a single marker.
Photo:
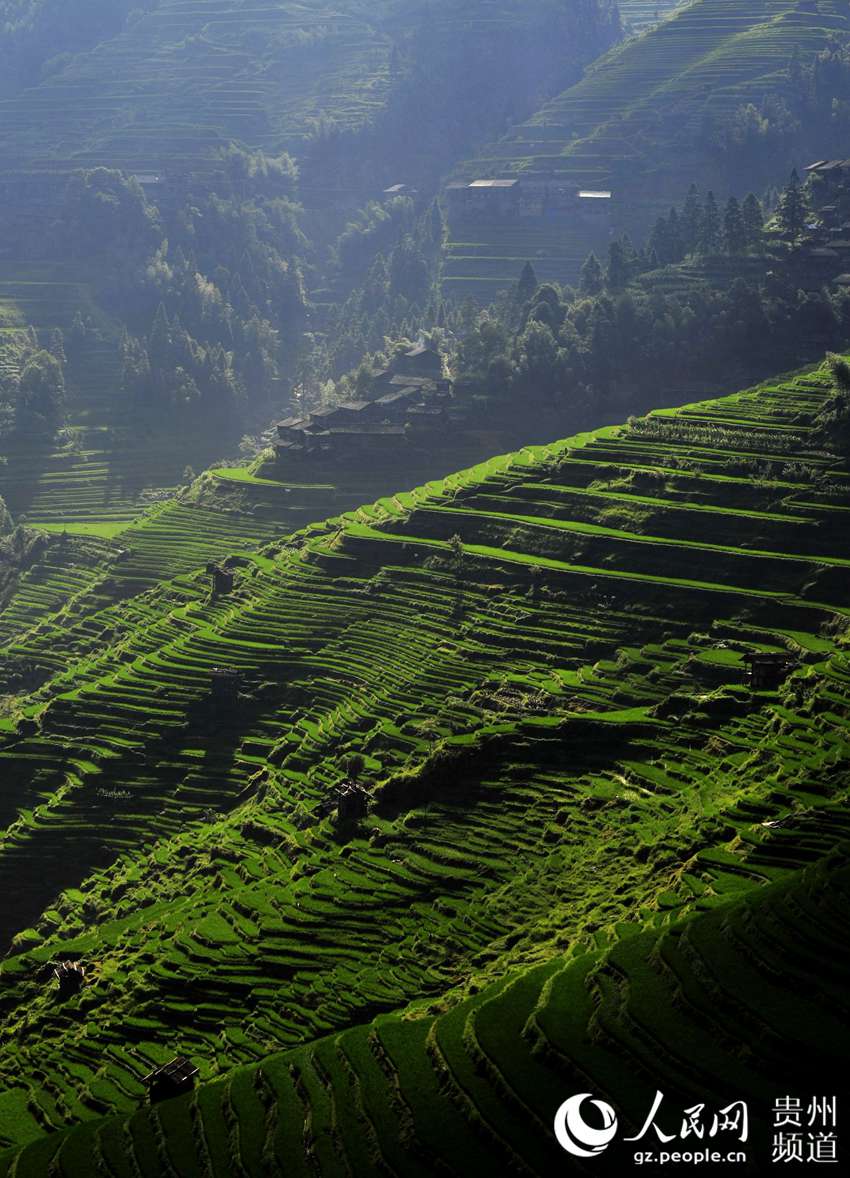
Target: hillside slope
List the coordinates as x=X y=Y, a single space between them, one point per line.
x=478 y=1085
x=535 y=669
x=178 y=80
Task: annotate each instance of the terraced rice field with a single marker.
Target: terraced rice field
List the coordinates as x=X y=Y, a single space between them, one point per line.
x=41 y=295
x=109 y=466
x=561 y=753
x=484 y=257
x=632 y=125
x=639 y=15
x=184 y=78
x=481 y=1082
x=111 y=535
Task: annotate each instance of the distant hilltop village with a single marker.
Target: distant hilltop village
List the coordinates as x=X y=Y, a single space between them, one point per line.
x=406 y=405
x=533 y=197
x=546 y=196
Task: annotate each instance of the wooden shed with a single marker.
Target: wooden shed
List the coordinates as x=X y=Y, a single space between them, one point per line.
x=70 y=978
x=171 y=1079
x=766 y=670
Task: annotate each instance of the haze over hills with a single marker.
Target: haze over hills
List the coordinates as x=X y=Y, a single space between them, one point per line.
x=162 y=91
x=176 y=80
x=710 y=96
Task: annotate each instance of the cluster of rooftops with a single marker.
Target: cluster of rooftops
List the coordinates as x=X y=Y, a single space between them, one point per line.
x=526 y=195
x=827 y=249
x=530 y=195
x=828 y=167
x=410 y=396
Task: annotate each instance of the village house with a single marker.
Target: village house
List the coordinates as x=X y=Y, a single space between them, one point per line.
x=171 y=1079
x=484 y=198
x=70 y=977
x=406 y=400
x=594 y=204
x=538 y=196
x=423 y=360
x=832 y=170
x=767 y=670
x=399 y=190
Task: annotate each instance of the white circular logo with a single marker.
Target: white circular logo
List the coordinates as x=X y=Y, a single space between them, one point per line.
x=575 y=1135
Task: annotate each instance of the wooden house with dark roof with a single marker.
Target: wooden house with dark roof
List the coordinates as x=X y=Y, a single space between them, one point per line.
x=396 y=402
x=291 y=425
x=422 y=360
x=70 y=978
x=224 y=683
x=766 y=670
x=171 y=1079
x=350 y=441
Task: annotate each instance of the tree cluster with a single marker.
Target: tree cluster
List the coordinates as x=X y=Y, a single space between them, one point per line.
x=566 y=350
x=399 y=297
x=32 y=385
x=699 y=227
x=208 y=279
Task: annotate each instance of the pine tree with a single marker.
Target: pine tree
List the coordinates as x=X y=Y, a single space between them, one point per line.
x=691 y=221
x=674 y=231
x=591 y=280
x=527 y=285
x=57 y=345
x=438 y=225
x=78 y=330
x=752 y=216
x=733 y=227
x=617 y=273
x=793 y=206
x=159 y=340
x=710 y=226
x=659 y=241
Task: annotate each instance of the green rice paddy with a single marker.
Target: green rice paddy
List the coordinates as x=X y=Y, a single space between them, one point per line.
x=579 y=809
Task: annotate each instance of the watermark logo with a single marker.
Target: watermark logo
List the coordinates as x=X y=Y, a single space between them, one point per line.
x=575 y=1135
x=804 y=1131
x=582 y=1140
